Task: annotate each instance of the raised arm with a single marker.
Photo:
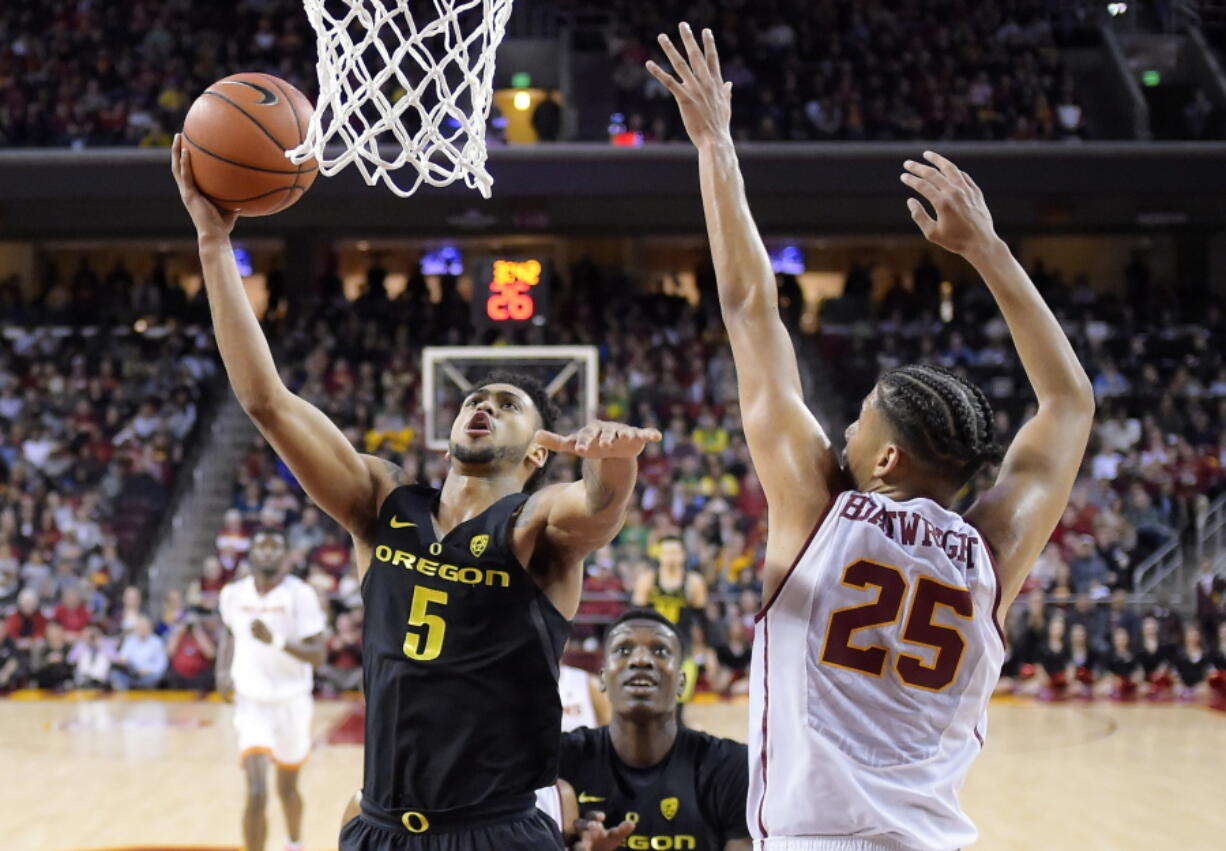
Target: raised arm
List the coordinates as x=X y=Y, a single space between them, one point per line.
x=1016 y=516
x=583 y=516
x=562 y=523
x=348 y=486
x=791 y=453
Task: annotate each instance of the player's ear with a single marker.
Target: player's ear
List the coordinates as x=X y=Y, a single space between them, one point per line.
x=681 y=685
x=888 y=461
x=538 y=455
x=604 y=687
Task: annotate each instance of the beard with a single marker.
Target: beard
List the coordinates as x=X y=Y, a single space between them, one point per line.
x=487 y=454
x=265 y=571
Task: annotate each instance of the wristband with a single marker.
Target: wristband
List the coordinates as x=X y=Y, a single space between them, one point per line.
x=278 y=641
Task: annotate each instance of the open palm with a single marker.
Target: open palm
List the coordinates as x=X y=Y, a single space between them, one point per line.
x=704 y=98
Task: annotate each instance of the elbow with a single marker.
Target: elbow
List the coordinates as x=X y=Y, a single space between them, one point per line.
x=1075 y=408
x=1075 y=400
x=749 y=309
x=1084 y=396
x=259 y=406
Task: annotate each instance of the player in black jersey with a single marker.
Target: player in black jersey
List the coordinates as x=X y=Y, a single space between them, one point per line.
x=678 y=594
x=469 y=590
x=672 y=787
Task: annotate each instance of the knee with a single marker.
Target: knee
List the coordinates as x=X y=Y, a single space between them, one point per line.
x=287 y=785
x=257 y=794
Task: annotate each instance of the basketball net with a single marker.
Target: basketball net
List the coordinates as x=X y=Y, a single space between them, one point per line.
x=425 y=93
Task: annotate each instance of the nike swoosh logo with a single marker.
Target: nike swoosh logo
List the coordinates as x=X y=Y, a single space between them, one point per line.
x=270 y=97
x=400 y=524
x=585 y=798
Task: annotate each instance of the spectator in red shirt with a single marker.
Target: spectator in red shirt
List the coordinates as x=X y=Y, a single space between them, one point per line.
x=205 y=591
x=26 y=626
x=71 y=613
x=192 y=652
x=604 y=595
x=342 y=670
x=332 y=555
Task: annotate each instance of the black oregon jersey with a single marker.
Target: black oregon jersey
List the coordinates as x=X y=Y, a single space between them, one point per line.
x=672 y=604
x=460 y=660
x=694 y=799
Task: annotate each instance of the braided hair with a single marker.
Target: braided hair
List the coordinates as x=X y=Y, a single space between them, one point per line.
x=944 y=420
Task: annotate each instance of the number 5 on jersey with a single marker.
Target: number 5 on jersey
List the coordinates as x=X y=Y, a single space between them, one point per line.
x=426 y=642
x=920 y=628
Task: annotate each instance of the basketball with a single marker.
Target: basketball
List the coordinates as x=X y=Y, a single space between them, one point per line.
x=238 y=131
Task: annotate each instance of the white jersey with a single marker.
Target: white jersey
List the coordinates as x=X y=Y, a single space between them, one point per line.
x=872 y=669
x=291 y=609
x=575 y=690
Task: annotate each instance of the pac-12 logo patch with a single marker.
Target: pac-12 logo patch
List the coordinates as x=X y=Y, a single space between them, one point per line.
x=668 y=808
x=478 y=544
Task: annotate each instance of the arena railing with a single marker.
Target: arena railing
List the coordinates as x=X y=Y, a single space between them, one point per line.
x=1211 y=535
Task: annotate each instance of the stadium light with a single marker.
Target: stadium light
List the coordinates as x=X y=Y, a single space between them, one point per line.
x=1116 y=9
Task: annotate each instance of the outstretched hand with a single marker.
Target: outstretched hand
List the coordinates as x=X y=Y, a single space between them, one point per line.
x=963 y=223
x=600 y=439
x=703 y=96
x=210 y=221
x=594 y=836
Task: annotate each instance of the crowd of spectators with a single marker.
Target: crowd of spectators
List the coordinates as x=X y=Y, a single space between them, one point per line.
x=1157 y=450
x=359 y=366
x=78 y=73
x=95 y=419
x=830 y=70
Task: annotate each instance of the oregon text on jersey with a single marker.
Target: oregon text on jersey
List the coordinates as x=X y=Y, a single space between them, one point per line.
x=679 y=842
x=449 y=572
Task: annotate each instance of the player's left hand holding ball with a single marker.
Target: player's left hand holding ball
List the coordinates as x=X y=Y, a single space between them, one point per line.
x=600 y=439
x=208 y=219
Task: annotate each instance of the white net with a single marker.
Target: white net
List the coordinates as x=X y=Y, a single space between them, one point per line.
x=404 y=86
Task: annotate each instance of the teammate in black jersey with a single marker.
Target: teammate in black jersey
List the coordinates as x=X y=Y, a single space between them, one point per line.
x=669 y=786
x=468 y=590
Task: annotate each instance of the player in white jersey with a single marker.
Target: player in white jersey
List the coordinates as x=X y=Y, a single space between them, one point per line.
x=877 y=649
x=274 y=638
x=583 y=703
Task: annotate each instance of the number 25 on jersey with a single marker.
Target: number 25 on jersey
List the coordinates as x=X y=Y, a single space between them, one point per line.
x=839 y=650
x=425 y=641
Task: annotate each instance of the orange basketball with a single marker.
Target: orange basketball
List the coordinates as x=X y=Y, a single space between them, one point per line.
x=238 y=132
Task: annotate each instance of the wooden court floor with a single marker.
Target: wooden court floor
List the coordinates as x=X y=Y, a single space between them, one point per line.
x=159 y=774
